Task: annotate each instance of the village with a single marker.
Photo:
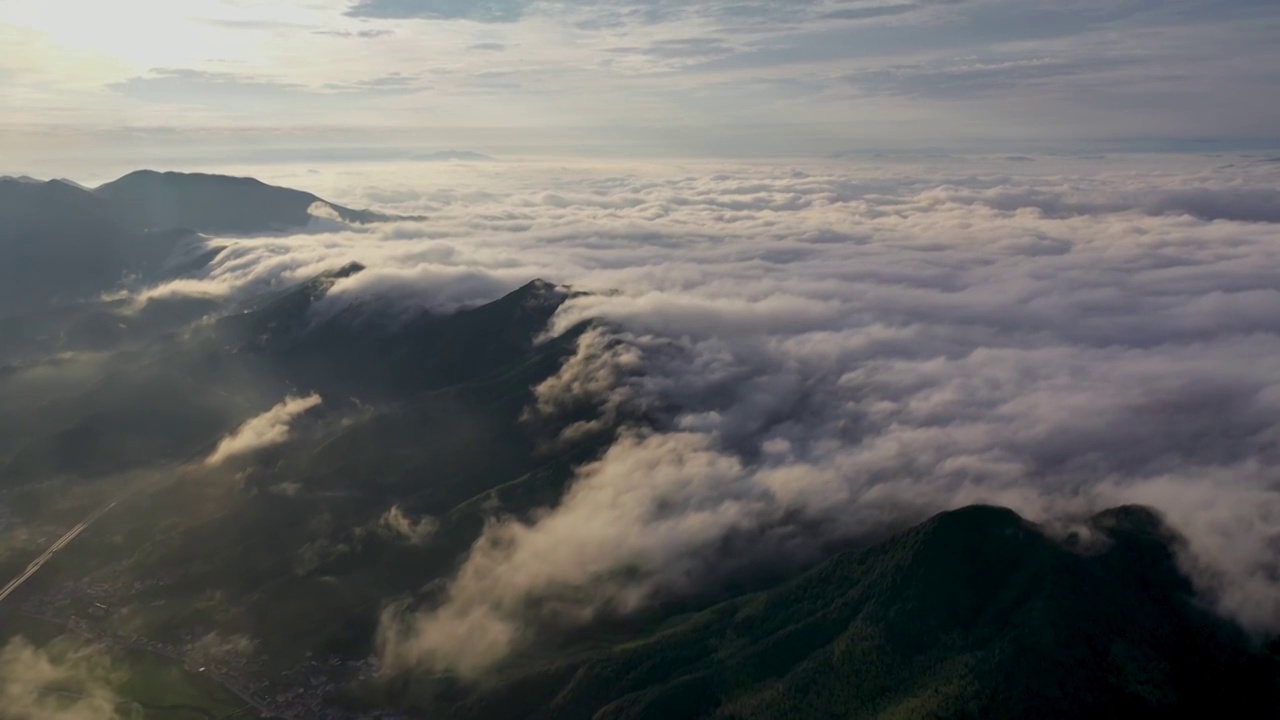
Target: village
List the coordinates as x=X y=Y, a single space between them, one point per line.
x=303 y=691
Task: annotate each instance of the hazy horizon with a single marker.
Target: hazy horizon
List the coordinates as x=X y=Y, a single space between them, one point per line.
x=181 y=84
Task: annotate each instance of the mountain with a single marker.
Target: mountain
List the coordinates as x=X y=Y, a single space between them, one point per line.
x=976 y=613
x=174 y=398
x=73 y=184
x=422 y=413
x=216 y=204
x=366 y=347
x=61 y=243
x=37 y=181
x=58 y=242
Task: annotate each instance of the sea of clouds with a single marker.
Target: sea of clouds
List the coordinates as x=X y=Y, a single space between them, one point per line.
x=837 y=348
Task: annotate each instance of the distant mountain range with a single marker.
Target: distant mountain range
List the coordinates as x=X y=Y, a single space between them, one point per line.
x=36 y=181
x=60 y=241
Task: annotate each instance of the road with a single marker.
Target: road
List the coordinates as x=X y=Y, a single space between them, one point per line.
x=147 y=482
x=48 y=554
x=70 y=536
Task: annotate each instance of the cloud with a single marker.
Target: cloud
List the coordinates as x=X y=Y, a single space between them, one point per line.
x=186 y=84
x=255 y=24
x=485 y=11
x=869 y=12
x=611 y=522
x=218 y=648
x=804 y=354
x=396 y=524
x=961 y=78
x=391 y=83
x=269 y=428
x=617 y=14
x=600 y=375
x=37 y=685
x=248 y=92
x=621 y=77
x=356 y=34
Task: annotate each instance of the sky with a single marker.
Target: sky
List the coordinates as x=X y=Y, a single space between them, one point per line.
x=182 y=83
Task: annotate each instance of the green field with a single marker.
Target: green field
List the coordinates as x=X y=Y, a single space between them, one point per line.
x=166 y=691
x=150 y=687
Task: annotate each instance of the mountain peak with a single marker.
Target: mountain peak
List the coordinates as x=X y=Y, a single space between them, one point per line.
x=348 y=270
x=1138 y=518
x=1139 y=525
x=541 y=293
x=172 y=177
x=151 y=199
x=976 y=520
x=316 y=287
x=71 y=183
x=974 y=613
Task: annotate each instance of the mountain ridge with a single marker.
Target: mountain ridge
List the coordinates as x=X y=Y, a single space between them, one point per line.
x=166 y=199
x=973 y=613
x=61 y=242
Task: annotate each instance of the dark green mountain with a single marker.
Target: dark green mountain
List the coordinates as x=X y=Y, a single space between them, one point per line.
x=171 y=400
x=423 y=413
x=147 y=199
x=61 y=243
x=973 y=614
x=57 y=241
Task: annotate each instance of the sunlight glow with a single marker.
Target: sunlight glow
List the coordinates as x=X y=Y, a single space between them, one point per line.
x=145 y=34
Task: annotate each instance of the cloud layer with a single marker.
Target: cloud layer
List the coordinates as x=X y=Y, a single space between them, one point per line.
x=269 y=428
x=835 y=349
x=35 y=685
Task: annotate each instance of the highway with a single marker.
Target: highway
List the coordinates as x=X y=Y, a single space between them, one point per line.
x=67 y=539
x=147 y=482
x=53 y=549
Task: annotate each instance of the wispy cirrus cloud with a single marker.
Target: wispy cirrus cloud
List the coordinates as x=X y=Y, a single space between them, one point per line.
x=244 y=93
x=485 y=11
x=356 y=34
